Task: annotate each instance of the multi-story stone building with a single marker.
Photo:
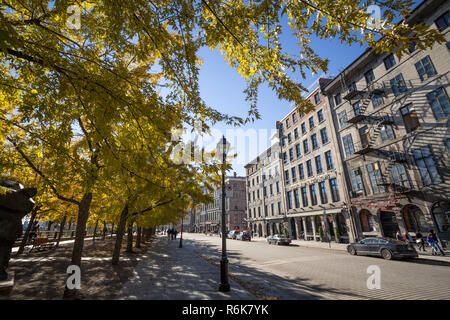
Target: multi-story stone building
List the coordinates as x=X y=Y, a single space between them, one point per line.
x=209 y=216
x=312 y=173
x=265 y=192
x=391 y=117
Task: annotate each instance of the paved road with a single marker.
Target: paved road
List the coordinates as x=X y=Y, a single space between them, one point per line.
x=305 y=273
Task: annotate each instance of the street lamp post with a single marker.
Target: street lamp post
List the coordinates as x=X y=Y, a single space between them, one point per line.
x=181 y=234
x=224 y=286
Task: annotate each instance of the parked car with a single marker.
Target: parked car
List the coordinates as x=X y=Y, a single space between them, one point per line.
x=279 y=239
x=232 y=234
x=387 y=248
x=243 y=236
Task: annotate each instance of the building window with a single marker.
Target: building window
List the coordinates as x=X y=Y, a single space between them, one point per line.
x=387 y=133
x=283 y=141
x=323 y=192
x=305 y=146
x=448 y=45
x=311 y=123
x=410 y=118
x=348 y=145
x=377 y=100
x=301 y=172
x=352 y=87
x=304 y=197
x=294 y=174
x=286 y=176
x=399 y=175
x=369 y=76
x=284 y=157
x=309 y=168
x=271 y=189
x=338 y=99
x=318 y=165
x=289 y=137
x=295 y=133
x=289 y=200
x=323 y=135
x=278 y=186
x=443 y=21
x=294 y=118
x=314 y=142
x=288 y=123
x=297 y=150
x=447 y=145
x=342 y=116
x=398 y=85
x=439 y=103
x=357 y=109
x=279 y=207
x=317 y=98
x=412 y=47
x=272 y=209
x=265 y=210
x=281 y=128
x=425 y=68
x=356 y=180
x=320 y=115
x=312 y=192
x=427 y=167
x=334 y=190
x=303 y=128
x=389 y=61
x=265 y=191
x=291 y=154
x=296 y=198
x=375 y=177
x=329 y=160
x=259 y=211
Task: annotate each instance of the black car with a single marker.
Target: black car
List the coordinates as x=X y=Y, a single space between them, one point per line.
x=387 y=248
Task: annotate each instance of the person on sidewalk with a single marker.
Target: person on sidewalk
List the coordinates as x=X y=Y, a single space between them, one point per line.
x=436 y=242
x=408 y=239
x=420 y=241
x=399 y=236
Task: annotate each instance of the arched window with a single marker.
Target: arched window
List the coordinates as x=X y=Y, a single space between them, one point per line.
x=414 y=219
x=441 y=214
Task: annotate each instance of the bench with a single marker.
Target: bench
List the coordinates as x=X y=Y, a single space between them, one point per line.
x=41 y=244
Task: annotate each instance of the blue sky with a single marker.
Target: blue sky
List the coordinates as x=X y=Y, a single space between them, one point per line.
x=222 y=88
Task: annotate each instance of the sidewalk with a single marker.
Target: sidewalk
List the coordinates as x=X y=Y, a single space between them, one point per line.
x=168 y=272
x=343 y=247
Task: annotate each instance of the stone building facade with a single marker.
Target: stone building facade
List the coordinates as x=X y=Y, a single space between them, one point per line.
x=312 y=176
x=265 y=189
x=208 y=217
x=391 y=118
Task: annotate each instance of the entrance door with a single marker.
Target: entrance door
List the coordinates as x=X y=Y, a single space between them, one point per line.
x=389 y=224
x=294 y=232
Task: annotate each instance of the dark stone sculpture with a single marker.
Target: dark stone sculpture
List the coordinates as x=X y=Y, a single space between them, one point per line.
x=15 y=203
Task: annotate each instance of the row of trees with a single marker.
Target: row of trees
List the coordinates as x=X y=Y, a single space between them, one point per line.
x=87 y=112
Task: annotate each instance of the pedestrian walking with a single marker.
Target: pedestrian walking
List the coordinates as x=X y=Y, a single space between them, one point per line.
x=436 y=242
x=420 y=241
x=430 y=241
x=399 y=236
x=408 y=239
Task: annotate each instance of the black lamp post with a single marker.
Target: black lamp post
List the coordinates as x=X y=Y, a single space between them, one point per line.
x=181 y=234
x=222 y=148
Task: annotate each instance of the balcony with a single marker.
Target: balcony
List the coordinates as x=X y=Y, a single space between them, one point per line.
x=362 y=148
x=354 y=93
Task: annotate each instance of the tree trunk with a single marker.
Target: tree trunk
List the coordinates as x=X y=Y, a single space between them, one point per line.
x=83 y=215
x=104 y=230
x=95 y=230
x=138 y=237
x=130 y=238
x=112 y=229
x=61 y=230
x=119 y=235
x=27 y=232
